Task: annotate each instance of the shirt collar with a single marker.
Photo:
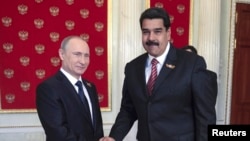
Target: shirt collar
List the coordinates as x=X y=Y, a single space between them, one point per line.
x=160 y=59
x=70 y=77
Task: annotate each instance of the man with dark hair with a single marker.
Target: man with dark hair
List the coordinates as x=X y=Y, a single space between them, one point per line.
x=212 y=76
x=190 y=49
x=165 y=89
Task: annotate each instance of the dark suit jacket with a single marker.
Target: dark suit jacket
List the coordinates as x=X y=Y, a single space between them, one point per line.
x=181 y=106
x=212 y=79
x=62 y=114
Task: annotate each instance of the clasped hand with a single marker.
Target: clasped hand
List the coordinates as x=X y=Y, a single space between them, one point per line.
x=106 y=139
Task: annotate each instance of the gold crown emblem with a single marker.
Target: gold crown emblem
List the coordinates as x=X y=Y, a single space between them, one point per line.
x=99 y=50
x=25 y=86
x=99 y=26
x=99 y=3
x=171 y=17
x=54 y=11
x=85 y=37
x=84 y=13
x=7 y=21
x=23 y=35
x=39 y=23
x=24 y=60
x=23 y=9
x=10 y=98
x=54 y=36
x=180 y=8
x=159 y=5
x=39 y=48
x=8 y=47
x=99 y=74
x=70 y=25
x=9 y=73
x=55 y=61
x=180 y=31
x=70 y=2
x=40 y=73
x=38 y=1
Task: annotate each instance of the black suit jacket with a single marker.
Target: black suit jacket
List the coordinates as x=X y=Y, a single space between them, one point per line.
x=62 y=114
x=181 y=106
x=212 y=79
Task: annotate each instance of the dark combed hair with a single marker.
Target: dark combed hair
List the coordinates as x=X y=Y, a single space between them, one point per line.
x=192 y=48
x=156 y=13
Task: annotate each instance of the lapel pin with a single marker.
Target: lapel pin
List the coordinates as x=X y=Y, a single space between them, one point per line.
x=170 y=66
x=89 y=84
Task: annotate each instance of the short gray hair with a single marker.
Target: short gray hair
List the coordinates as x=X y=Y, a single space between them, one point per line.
x=66 y=40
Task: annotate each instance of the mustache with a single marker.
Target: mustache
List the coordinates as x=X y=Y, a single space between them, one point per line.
x=149 y=43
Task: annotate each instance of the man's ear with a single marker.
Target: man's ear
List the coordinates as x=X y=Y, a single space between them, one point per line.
x=169 y=33
x=61 y=53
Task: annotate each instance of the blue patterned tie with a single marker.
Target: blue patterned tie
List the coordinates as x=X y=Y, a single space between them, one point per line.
x=82 y=96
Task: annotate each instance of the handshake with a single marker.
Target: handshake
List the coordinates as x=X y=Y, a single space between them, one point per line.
x=106 y=139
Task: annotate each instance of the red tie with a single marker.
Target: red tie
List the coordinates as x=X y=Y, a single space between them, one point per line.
x=153 y=76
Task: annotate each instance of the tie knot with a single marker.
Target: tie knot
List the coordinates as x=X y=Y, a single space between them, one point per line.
x=79 y=84
x=154 y=61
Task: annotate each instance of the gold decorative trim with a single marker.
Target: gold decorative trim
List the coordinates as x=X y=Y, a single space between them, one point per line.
x=147 y=3
x=109 y=57
x=191 y=22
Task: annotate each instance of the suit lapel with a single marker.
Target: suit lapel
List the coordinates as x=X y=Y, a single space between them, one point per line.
x=168 y=66
x=88 y=86
x=141 y=73
x=72 y=95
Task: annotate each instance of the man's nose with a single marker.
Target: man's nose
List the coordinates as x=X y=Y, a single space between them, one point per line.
x=151 y=36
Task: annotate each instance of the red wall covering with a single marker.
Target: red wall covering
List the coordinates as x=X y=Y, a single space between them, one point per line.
x=179 y=11
x=31 y=32
x=30 y=35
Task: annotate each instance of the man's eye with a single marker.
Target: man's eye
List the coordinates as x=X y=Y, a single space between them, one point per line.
x=158 y=31
x=77 y=54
